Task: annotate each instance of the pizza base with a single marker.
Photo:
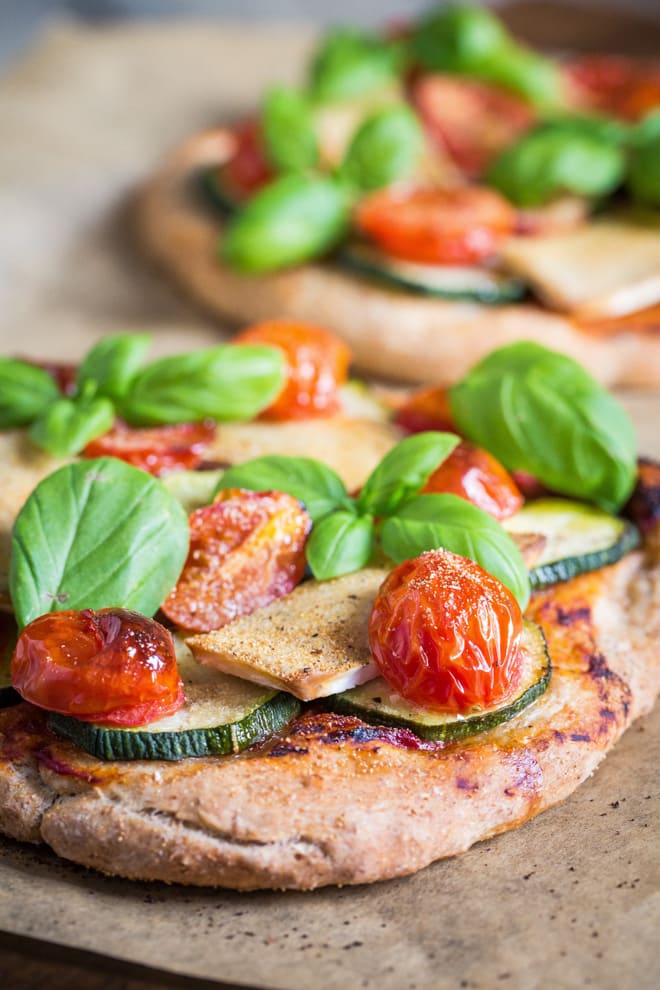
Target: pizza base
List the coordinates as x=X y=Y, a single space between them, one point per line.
x=336 y=801
x=391 y=334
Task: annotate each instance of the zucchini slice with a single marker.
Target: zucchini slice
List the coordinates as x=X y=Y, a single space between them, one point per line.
x=8 y=637
x=221 y=715
x=214 y=192
x=192 y=489
x=580 y=538
x=442 y=281
x=377 y=703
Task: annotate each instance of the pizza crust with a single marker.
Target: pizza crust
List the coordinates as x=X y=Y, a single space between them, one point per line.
x=391 y=333
x=339 y=802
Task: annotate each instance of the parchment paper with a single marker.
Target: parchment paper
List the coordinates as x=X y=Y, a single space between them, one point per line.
x=569 y=900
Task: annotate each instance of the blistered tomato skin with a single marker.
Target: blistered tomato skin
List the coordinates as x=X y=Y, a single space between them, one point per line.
x=158 y=450
x=446 y=634
x=111 y=666
x=317 y=366
x=426 y=409
x=246 y=550
x=475 y=475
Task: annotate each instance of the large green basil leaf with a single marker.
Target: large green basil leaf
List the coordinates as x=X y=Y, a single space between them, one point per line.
x=295 y=218
x=403 y=471
x=228 y=382
x=429 y=522
x=384 y=149
x=113 y=363
x=68 y=425
x=25 y=392
x=541 y=412
x=96 y=533
x=350 y=64
x=288 y=129
x=318 y=487
x=340 y=544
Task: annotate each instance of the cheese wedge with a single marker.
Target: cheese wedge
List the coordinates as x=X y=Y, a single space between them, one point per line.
x=311 y=643
x=601 y=269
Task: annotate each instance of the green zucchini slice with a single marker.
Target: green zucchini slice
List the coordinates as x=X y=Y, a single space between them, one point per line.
x=8 y=637
x=215 y=192
x=221 y=715
x=377 y=703
x=580 y=538
x=193 y=489
x=442 y=281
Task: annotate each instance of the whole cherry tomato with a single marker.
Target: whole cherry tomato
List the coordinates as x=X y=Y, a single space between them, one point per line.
x=111 y=666
x=317 y=365
x=446 y=634
x=472 y=121
x=248 y=169
x=426 y=409
x=613 y=84
x=437 y=226
x=473 y=474
x=158 y=450
x=246 y=550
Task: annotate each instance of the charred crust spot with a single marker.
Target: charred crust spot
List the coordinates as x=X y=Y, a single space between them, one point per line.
x=607 y=714
x=570 y=616
x=644 y=505
x=510 y=791
x=332 y=729
x=464 y=784
x=558 y=736
x=598 y=668
x=286 y=748
x=580 y=737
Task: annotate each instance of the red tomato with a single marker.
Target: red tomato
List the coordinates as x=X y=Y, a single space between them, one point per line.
x=249 y=168
x=613 y=84
x=110 y=666
x=426 y=409
x=475 y=475
x=446 y=634
x=472 y=121
x=317 y=365
x=159 y=450
x=437 y=226
x=246 y=550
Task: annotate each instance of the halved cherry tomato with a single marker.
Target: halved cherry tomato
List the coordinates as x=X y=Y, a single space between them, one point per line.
x=248 y=169
x=426 y=409
x=613 y=84
x=446 y=634
x=111 y=666
x=159 y=450
x=246 y=550
x=437 y=226
x=472 y=121
x=475 y=475
x=317 y=365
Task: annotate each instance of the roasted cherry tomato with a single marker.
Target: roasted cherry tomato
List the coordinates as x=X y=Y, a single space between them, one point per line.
x=426 y=409
x=317 y=365
x=110 y=666
x=159 y=450
x=473 y=474
x=246 y=550
x=248 y=169
x=612 y=84
x=446 y=634
x=437 y=226
x=472 y=121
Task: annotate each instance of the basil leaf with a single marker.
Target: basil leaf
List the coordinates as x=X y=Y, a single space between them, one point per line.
x=432 y=521
x=96 y=533
x=294 y=218
x=113 y=363
x=350 y=63
x=318 y=487
x=68 y=425
x=340 y=544
x=385 y=148
x=25 y=392
x=550 y=160
x=644 y=165
x=403 y=471
x=228 y=382
x=539 y=411
x=288 y=130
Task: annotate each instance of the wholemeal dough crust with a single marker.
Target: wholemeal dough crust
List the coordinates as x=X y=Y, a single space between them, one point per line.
x=335 y=801
x=391 y=333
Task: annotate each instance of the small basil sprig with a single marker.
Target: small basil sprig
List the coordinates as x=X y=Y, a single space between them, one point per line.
x=293 y=219
x=350 y=64
x=541 y=412
x=68 y=425
x=341 y=543
x=94 y=534
x=450 y=522
x=403 y=471
x=385 y=148
x=287 y=125
x=25 y=393
x=319 y=487
x=113 y=363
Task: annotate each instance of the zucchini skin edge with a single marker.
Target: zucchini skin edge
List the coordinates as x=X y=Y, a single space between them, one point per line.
x=569 y=567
